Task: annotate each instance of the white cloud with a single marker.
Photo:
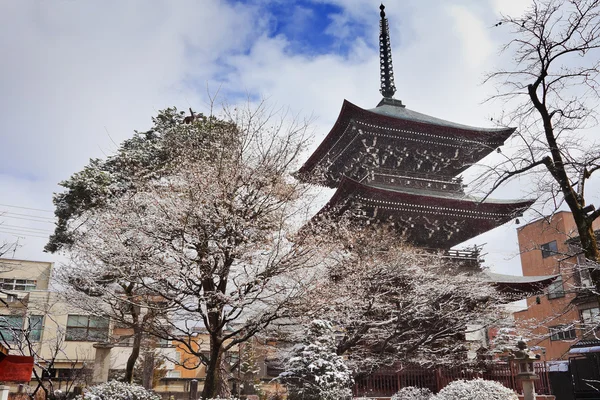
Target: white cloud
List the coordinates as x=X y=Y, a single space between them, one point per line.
x=476 y=44
x=512 y=8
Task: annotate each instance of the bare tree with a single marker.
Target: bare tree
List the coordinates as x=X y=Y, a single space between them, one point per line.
x=20 y=331
x=551 y=94
x=98 y=286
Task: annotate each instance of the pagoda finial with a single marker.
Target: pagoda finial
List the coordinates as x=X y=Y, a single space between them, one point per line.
x=385 y=57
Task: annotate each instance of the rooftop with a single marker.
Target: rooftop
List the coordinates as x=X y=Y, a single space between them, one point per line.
x=396 y=110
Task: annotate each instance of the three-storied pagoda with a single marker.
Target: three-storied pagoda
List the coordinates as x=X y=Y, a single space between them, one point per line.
x=394 y=165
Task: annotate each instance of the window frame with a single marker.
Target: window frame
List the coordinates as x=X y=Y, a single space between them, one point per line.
x=11 y=331
x=88 y=329
x=173 y=373
x=35 y=329
x=547 y=250
x=27 y=285
x=592 y=319
x=556 y=291
x=558 y=333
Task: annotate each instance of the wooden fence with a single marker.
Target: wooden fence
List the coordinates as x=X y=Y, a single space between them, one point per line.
x=385 y=383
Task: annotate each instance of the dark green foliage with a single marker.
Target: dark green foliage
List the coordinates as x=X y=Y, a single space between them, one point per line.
x=147 y=154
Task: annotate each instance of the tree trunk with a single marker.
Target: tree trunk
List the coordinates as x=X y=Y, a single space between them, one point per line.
x=213 y=383
x=589 y=245
x=135 y=353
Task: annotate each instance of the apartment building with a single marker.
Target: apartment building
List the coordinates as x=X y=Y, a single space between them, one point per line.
x=36 y=321
x=553 y=322
x=76 y=349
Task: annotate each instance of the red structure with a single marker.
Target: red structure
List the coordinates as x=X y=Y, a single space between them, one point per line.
x=394 y=165
x=14 y=368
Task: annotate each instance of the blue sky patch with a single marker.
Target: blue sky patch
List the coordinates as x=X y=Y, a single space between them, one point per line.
x=311 y=28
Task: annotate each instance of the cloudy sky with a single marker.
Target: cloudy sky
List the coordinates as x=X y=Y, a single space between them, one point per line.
x=77 y=77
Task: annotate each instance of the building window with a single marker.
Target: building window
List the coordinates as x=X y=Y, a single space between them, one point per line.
x=11 y=327
x=86 y=328
x=556 y=289
x=590 y=316
x=562 y=332
x=584 y=276
x=18 y=284
x=173 y=374
x=549 y=249
x=36 y=327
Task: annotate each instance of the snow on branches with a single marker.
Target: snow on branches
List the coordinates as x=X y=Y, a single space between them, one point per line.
x=394 y=303
x=314 y=371
x=201 y=217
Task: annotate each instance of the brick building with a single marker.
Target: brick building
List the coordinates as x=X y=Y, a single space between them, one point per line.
x=556 y=320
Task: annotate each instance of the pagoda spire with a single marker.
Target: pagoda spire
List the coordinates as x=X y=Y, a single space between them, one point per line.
x=385 y=57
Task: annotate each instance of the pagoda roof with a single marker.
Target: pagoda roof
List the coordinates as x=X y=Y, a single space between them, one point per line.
x=391 y=121
x=401 y=112
x=426 y=218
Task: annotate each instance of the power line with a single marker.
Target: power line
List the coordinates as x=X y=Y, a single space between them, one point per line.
x=27 y=208
x=24 y=228
x=27 y=219
x=17 y=234
x=23 y=231
x=2 y=212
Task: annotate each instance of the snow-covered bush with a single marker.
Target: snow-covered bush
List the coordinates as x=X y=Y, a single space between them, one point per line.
x=412 y=393
x=476 y=389
x=221 y=398
x=115 y=390
x=314 y=371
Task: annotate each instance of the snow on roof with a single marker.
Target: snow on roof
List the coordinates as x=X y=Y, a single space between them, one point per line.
x=402 y=112
x=445 y=194
x=502 y=278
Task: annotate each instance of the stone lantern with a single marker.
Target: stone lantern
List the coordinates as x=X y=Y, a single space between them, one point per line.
x=523 y=360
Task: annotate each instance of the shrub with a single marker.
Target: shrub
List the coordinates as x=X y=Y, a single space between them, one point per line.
x=221 y=398
x=476 y=389
x=413 y=393
x=115 y=390
x=314 y=371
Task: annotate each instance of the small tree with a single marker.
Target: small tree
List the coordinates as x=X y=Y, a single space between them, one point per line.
x=249 y=370
x=313 y=370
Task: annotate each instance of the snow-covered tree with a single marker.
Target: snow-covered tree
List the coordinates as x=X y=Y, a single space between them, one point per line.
x=395 y=303
x=313 y=370
x=249 y=370
x=201 y=216
x=476 y=389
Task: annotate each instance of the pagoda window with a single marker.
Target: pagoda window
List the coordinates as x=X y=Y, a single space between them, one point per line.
x=549 y=249
x=562 y=332
x=556 y=289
